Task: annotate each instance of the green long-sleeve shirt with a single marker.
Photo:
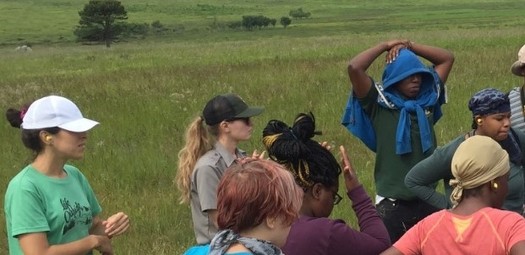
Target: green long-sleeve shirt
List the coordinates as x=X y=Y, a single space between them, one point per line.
x=422 y=176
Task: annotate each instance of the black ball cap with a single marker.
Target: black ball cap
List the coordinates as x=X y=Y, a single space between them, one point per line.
x=226 y=107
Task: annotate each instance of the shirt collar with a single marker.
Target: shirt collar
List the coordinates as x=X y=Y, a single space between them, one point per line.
x=227 y=156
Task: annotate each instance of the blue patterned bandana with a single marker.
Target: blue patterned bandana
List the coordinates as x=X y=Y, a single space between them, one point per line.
x=225 y=238
x=489 y=101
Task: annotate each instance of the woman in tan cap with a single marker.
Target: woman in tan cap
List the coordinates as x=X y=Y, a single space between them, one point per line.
x=211 y=147
x=517 y=95
x=475 y=224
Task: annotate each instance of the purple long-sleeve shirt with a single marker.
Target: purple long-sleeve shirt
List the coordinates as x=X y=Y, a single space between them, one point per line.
x=311 y=235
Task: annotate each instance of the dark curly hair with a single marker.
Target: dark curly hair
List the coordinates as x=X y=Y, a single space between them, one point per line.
x=293 y=147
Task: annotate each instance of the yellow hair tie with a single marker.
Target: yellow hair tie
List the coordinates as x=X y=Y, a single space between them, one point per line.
x=270 y=139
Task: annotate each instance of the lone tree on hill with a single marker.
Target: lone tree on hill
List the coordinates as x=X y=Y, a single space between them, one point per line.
x=98 y=21
x=285 y=21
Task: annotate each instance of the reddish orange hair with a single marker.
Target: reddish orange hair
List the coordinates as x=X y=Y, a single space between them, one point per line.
x=251 y=192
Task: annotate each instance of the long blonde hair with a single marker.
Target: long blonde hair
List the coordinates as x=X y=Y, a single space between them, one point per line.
x=199 y=140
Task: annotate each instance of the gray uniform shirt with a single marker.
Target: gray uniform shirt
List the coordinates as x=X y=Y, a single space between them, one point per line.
x=516 y=109
x=204 y=181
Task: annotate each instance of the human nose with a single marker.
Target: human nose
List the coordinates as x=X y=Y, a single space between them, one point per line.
x=506 y=122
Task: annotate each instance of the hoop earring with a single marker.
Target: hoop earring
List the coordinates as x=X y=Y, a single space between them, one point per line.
x=479 y=121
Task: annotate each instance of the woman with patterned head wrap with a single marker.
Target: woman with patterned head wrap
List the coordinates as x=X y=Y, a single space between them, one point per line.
x=490 y=113
x=475 y=224
x=317 y=171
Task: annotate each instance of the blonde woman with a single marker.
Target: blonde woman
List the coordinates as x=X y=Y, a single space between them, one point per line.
x=211 y=147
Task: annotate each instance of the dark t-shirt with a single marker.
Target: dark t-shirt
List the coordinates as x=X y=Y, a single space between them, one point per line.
x=390 y=168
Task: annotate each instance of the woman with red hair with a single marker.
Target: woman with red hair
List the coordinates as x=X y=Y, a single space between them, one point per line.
x=258 y=201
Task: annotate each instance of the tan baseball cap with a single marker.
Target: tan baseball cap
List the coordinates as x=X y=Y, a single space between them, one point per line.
x=518 y=68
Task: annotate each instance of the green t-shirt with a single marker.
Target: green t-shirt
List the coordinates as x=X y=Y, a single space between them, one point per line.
x=63 y=208
x=390 y=168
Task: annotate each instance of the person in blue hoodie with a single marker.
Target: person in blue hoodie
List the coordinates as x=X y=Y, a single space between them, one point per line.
x=395 y=119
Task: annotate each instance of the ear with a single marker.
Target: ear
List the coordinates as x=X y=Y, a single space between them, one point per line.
x=479 y=120
x=317 y=189
x=270 y=222
x=494 y=186
x=224 y=126
x=45 y=137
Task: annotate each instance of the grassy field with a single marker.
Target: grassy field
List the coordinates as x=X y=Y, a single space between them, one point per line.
x=145 y=92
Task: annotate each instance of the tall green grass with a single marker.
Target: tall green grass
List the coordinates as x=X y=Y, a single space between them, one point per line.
x=145 y=93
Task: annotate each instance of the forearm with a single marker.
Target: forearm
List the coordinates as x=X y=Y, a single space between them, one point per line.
x=426 y=193
x=212 y=216
x=368 y=219
x=80 y=247
x=441 y=58
x=421 y=179
x=372 y=238
x=363 y=60
x=36 y=243
x=433 y=54
x=357 y=67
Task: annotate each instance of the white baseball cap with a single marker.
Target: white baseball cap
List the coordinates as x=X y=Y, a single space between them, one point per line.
x=56 y=111
x=517 y=67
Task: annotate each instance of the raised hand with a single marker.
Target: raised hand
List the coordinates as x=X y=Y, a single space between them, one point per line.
x=351 y=181
x=393 y=49
x=326 y=145
x=116 y=224
x=256 y=154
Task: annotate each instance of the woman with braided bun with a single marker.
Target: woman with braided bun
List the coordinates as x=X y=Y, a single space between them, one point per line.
x=317 y=171
x=475 y=224
x=490 y=117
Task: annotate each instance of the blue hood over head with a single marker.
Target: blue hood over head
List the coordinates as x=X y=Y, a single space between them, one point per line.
x=406 y=64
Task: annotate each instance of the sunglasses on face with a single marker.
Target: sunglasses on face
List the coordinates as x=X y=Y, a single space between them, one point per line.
x=246 y=120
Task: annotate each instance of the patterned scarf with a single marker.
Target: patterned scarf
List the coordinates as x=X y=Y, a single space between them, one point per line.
x=489 y=101
x=225 y=238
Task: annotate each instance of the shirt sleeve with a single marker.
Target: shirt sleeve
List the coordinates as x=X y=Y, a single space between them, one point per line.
x=422 y=177
x=207 y=180
x=516 y=231
x=373 y=237
x=521 y=137
x=369 y=102
x=410 y=243
x=27 y=211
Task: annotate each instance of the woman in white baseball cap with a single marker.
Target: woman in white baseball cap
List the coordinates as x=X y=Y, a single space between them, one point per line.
x=49 y=206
